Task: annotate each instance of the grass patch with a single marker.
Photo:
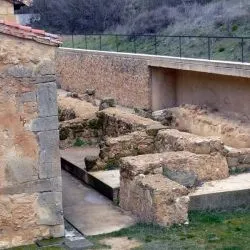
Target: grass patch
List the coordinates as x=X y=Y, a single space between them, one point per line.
x=112 y=164
x=222 y=231
x=80 y=143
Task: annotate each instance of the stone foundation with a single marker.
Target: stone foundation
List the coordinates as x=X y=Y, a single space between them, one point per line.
x=232 y=128
x=155 y=199
x=175 y=140
x=238 y=159
x=154 y=186
x=116 y=122
x=132 y=144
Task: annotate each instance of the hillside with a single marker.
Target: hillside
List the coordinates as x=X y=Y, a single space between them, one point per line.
x=162 y=17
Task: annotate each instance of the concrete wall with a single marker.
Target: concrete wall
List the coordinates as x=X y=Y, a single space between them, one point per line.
x=121 y=77
x=7 y=11
x=30 y=175
x=163 y=88
x=225 y=93
x=156 y=82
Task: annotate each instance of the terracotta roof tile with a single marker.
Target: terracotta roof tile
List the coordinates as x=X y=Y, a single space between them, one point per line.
x=25 y=32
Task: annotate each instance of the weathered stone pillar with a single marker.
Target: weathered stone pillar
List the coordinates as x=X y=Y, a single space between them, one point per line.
x=30 y=172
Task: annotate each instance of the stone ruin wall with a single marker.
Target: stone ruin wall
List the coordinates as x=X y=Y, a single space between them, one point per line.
x=30 y=173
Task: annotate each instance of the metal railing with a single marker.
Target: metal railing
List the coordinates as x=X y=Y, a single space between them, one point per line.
x=203 y=47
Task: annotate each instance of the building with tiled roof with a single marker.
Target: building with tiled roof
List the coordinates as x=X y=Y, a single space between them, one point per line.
x=25 y=32
x=7 y=8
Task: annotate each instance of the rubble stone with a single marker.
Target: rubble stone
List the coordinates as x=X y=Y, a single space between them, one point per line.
x=155 y=199
x=132 y=144
x=206 y=167
x=107 y=103
x=174 y=140
x=116 y=122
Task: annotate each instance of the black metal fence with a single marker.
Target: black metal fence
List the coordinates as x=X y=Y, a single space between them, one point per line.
x=203 y=47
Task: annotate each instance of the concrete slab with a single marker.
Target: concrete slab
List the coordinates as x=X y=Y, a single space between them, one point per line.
x=76 y=155
x=105 y=182
x=110 y=178
x=89 y=211
x=226 y=194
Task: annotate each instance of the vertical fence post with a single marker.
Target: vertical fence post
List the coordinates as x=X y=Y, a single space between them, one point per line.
x=180 y=47
x=242 y=49
x=116 y=42
x=155 y=45
x=135 y=44
x=100 y=37
x=208 y=48
x=86 y=43
x=73 y=42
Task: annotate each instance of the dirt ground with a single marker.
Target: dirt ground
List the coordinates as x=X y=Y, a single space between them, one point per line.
x=82 y=108
x=121 y=243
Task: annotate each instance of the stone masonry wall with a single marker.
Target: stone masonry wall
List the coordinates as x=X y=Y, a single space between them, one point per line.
x=30 y=175
x=123 y=78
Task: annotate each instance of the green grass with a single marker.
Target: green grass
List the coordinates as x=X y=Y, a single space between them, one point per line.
x=222 y=231
x=80 y=143
x=206 y=231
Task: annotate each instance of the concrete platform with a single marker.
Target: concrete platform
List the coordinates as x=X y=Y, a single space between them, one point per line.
x=105 y=182
x=89 y=211
x=226 y=194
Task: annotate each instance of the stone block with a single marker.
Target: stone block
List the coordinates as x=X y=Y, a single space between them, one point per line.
x=153 y=130
x=46 y=67
x=28 y=97
x=20 y=169
x=238 y=159
x=37 y=186
x=107 y=103
x=117 y=122
x=20 y=71
x=43 y=124
x=18 y=220
x=140 y=165
x=185 y=178
x=47 y=99
x=90 y=162
x=175 y=140
x=132 y=144
x=50 y=211
x=155 y=199
x=187 y=164
x=189 y=169
x=49 y=169
x=49 y=146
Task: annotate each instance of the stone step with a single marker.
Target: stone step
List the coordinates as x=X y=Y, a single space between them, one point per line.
x=155 y=199
x=118 y=122
x=184 y=167
x=175 y=140
x=230 y=193
x=105 y=182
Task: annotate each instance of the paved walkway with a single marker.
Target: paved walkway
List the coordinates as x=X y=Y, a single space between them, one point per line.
x=90 y=212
